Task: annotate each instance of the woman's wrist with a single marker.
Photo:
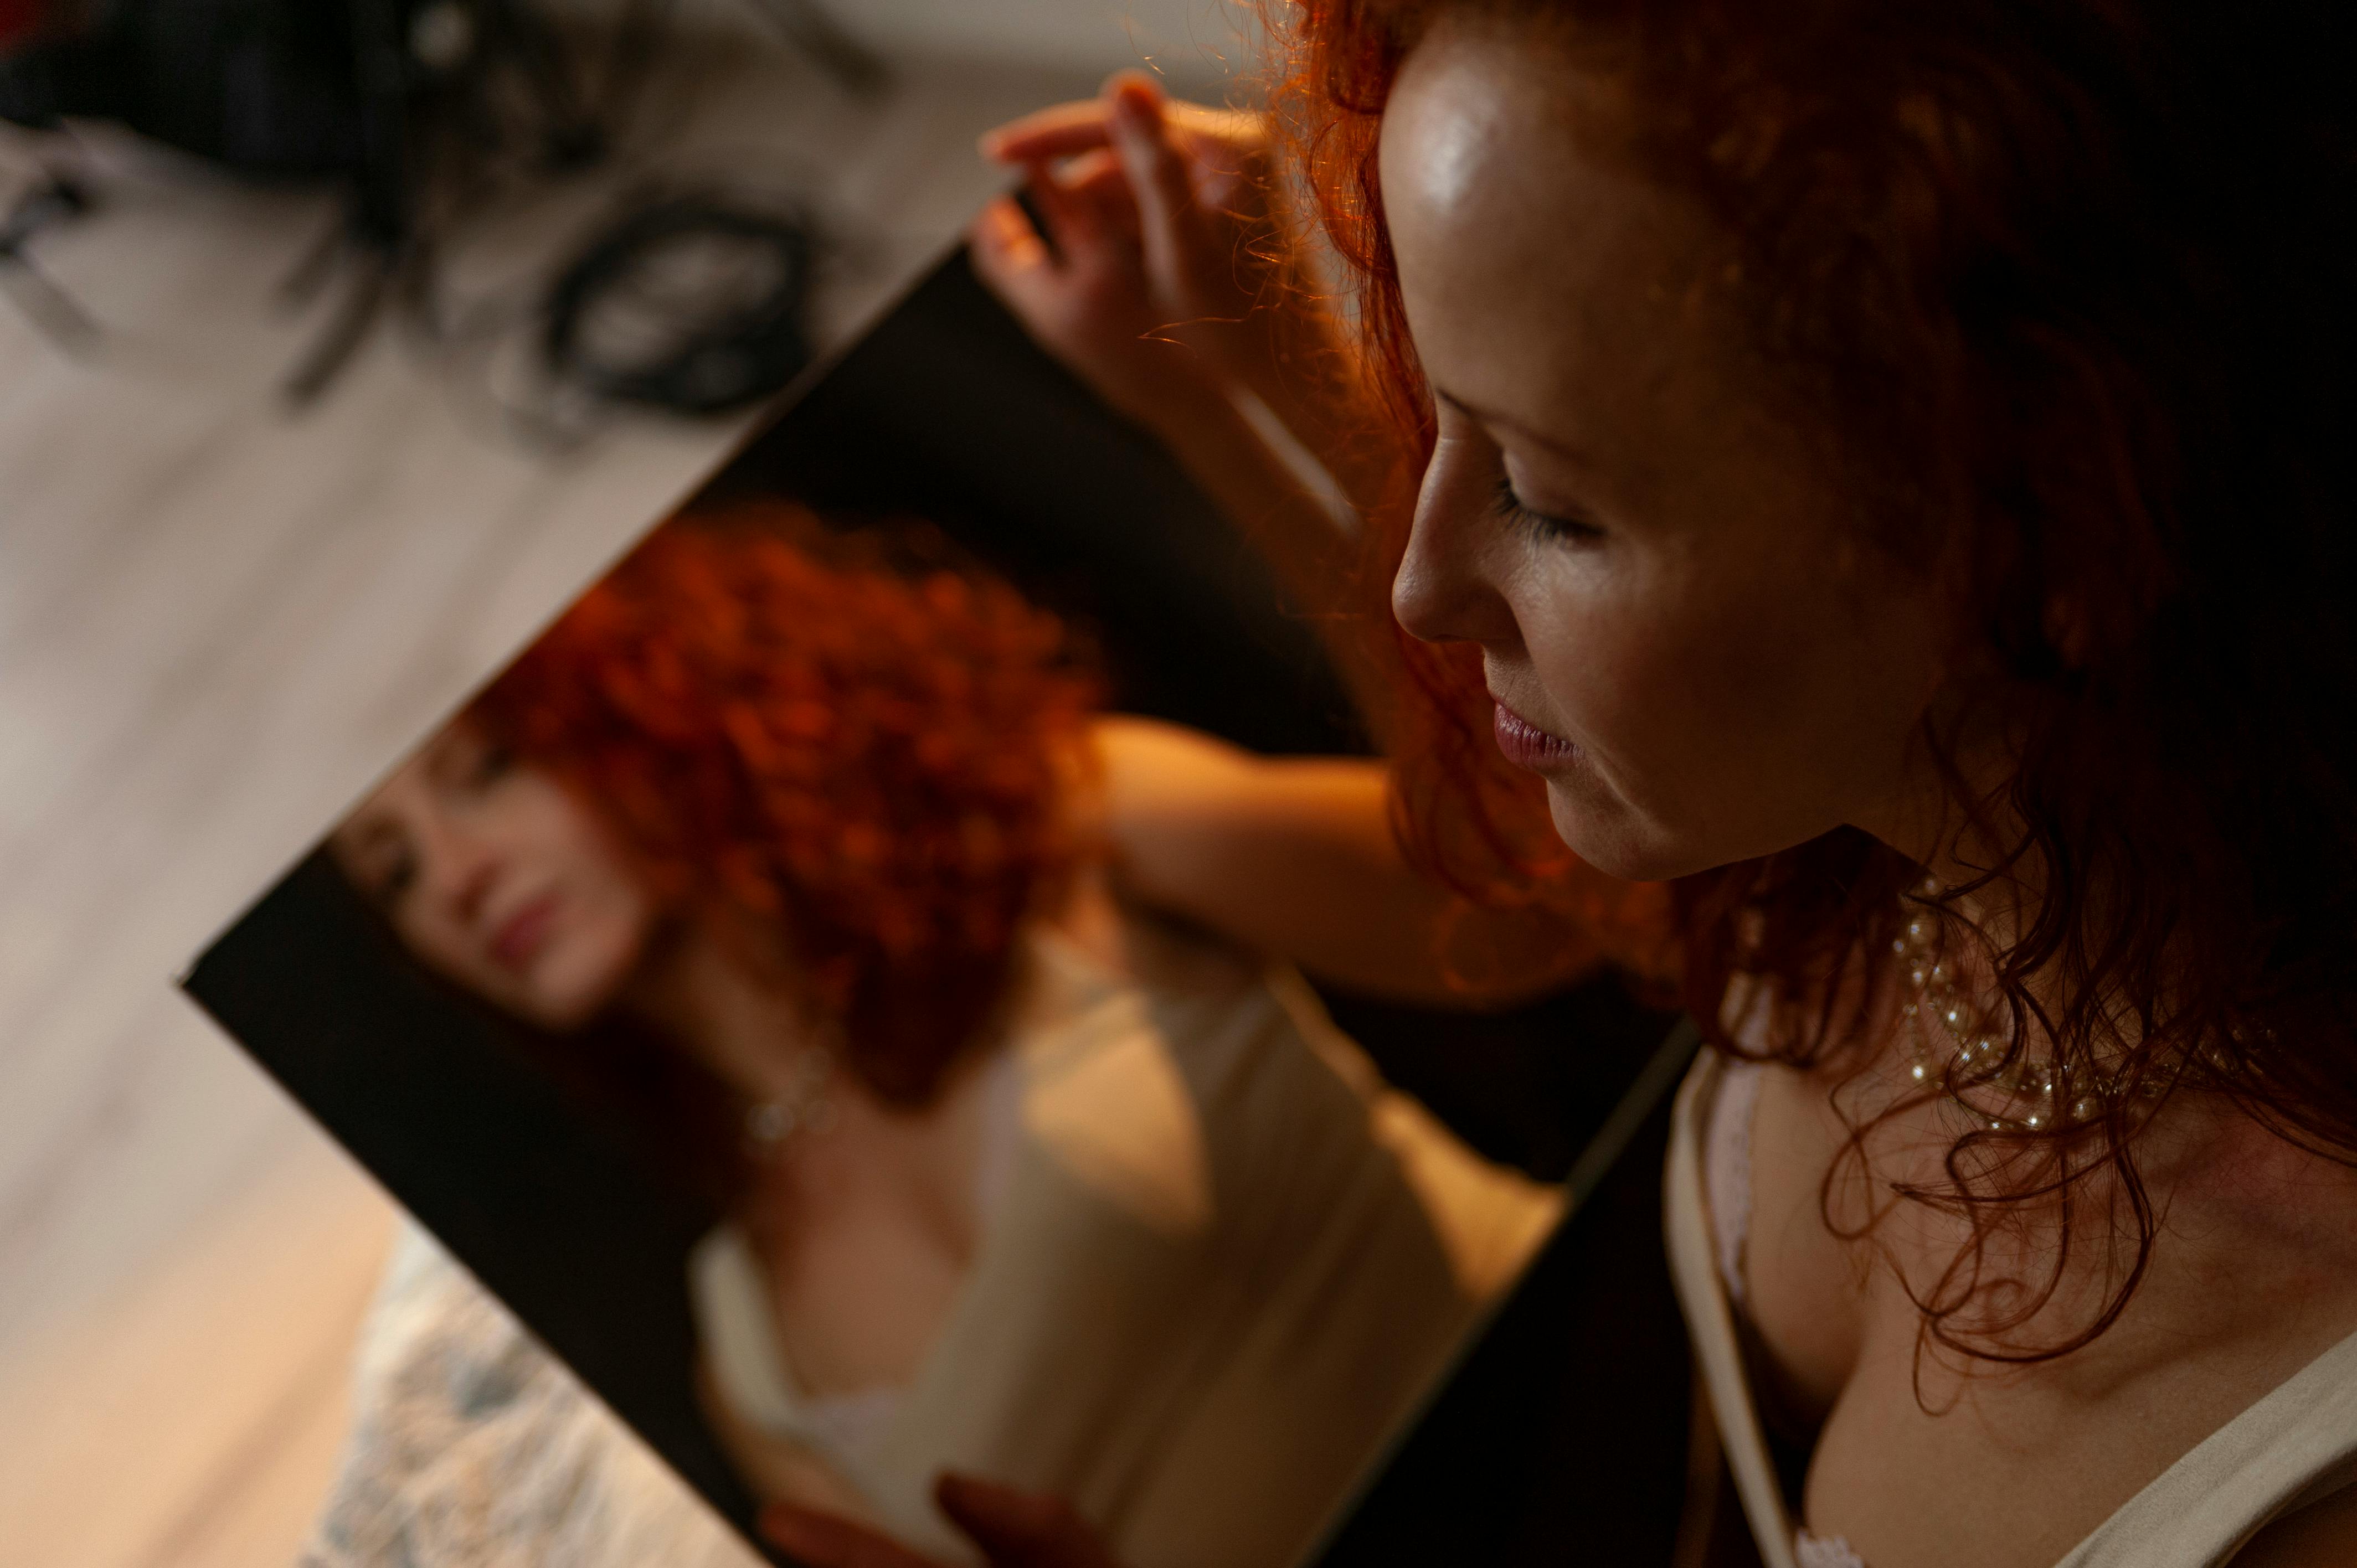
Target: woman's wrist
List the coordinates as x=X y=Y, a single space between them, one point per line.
x=1180 y=392
x=1299 y=361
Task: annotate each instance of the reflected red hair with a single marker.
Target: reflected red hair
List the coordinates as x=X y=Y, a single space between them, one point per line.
x=2067 y=280
x=800 y=738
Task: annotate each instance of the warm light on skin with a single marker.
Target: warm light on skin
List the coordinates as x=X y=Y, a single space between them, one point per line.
x=1737 y=673
x=499 y=879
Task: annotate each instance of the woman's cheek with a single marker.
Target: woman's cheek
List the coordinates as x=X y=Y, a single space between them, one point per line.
x=1611 y=663
x=1655 y=695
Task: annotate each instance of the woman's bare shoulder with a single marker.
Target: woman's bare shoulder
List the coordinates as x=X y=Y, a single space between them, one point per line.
x=1164 y=952
x=1139 y=944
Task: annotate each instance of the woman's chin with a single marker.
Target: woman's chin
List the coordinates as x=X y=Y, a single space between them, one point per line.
x=563 y=998
x=585 y=972
x=1610 y=838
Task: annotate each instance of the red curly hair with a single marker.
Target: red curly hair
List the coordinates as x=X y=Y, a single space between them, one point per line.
x=797 y=736
x=2067 y=280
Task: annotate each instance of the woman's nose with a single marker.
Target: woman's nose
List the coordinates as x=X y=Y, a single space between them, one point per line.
x=467 y=871
x=1444 y=592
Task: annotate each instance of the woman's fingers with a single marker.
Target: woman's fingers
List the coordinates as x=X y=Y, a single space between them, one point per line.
x=1061 y=132
x=1003 y=240
x=1139 y=209
x=1017 y=1529
x=1169 y=174
x=1014 y=262
x=1170 y=222
x=1068 y=130
x=1098 y=177
x=827 y=1541
x=1070 y=223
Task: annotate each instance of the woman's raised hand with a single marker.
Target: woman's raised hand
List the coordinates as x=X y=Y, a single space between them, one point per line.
x=1154 y=264
x=1152 y=240
x=1014 y=1529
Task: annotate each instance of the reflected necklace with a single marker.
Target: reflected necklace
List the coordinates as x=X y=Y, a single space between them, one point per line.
x=800 y=1107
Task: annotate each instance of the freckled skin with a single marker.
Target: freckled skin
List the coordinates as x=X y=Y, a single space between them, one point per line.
x=460 y=841
x=1738 y=674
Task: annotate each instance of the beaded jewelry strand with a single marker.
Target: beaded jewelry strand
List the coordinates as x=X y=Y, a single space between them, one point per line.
x=802 y=1107
x=2036 y=1090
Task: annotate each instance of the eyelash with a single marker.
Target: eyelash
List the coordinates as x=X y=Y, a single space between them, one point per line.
x=1510 y=507
x=393 y=882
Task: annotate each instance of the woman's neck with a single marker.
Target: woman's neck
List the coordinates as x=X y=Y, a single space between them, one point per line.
x=750 y=1030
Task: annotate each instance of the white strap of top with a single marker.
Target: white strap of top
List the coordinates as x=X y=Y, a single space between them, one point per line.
x=1693 y=1266
x=2294 y=1447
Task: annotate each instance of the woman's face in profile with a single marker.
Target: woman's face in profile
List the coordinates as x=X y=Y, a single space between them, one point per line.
x=1623 y=510
x=494 y=875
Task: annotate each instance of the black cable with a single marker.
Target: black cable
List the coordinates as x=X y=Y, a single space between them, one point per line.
x=692 y=303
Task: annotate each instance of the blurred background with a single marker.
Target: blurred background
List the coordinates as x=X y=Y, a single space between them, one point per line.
x=340 y=346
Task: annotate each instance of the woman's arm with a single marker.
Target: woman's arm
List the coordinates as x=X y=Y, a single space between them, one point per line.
x=1296 y=856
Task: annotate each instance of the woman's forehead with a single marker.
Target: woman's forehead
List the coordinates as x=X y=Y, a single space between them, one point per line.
x=407 y=787
x=1550 y=283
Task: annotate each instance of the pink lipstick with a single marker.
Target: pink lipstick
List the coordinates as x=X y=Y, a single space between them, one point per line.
x=522 y=934
x=1527 y=745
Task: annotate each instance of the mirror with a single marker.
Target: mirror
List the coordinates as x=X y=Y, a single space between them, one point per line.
x=739 y=987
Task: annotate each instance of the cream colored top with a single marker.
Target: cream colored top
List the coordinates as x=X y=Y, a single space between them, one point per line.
x=2295 y=1445
x=1226 y=1263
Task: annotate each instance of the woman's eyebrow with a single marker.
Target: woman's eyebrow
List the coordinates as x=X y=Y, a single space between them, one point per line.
x=445 y=757
x=1491 y=418
x=366 y=834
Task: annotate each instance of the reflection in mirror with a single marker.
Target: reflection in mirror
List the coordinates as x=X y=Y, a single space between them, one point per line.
x=785 y=849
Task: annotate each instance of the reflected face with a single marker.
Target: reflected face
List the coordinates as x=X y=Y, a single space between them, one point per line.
x=494 y=875
x=1683 y=630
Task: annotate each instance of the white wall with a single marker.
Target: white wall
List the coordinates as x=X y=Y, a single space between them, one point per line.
x=1195 y=42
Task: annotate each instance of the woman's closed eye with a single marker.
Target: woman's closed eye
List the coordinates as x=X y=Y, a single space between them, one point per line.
x=464 y=760
x=390 y=875
x=1508 y=506
x=492 y=763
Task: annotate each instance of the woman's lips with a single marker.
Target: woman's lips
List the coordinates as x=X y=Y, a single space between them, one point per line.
x=1527 y=745
x=522 y=934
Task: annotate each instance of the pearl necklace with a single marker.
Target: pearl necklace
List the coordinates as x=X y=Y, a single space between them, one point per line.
x=800 y=1107
x=2034 y=1093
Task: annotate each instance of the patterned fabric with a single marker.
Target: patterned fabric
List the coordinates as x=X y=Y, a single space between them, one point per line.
x=472 y=1447
x=1817 y=1551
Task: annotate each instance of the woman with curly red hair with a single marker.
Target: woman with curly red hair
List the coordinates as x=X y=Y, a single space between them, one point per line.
x=1885 y=474
x=808 y=849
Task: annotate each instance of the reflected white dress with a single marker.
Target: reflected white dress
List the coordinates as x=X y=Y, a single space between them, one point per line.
x=1220 y=1263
